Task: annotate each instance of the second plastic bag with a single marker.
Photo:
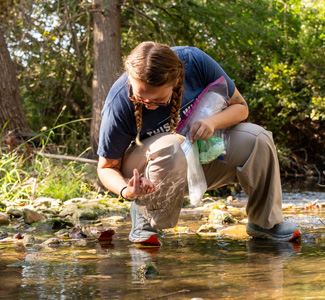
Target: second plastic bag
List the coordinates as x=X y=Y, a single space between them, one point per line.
x=211 y=149
x=195 y=176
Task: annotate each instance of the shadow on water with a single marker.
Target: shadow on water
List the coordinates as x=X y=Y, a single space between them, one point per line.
x=187 y=266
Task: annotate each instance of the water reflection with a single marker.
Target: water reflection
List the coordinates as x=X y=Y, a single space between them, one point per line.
x=141 y=257
x=265 y=266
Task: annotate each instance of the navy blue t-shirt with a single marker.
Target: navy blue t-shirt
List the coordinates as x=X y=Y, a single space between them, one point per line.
x=118 y=127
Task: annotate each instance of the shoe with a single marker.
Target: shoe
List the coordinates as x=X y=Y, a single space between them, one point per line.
x=141 y=231
x=285 y=231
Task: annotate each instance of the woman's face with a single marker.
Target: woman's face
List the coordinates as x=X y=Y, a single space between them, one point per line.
x=151 y=96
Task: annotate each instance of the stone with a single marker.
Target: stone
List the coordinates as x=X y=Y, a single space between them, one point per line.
x=116 y=219
x=55 y=224
x=3 y=235
x=237 y=232
x=52 y=241
x=31 y=216
x=85 y=211
x=181 y=229
x=147 y=271
x=29 y=240
x=75 y=201
x=17 y=213
x=63 y=233
x=4 y=219
x=230 y=198
x=80 y=243
x=77 y=233
x=209 y=228
x=221 y=217
x=43 y=202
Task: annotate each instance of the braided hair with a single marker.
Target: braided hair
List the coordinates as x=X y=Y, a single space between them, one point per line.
x=156 y=65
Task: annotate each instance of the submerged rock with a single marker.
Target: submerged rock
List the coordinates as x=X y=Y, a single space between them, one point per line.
x=80 y=243
x=3 y=235
x=147 y=271
x=77 y=233
x=205 y=228
x=30 y=240
x=19 y=264
x=237 y=232
x=52 y=241
x=63 y=233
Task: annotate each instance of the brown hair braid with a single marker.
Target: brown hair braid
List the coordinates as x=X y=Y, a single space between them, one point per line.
x=156 y=65
x=176 y=101
x=138 y=120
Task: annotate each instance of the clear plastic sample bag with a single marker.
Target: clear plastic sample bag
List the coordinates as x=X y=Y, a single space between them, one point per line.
x=212 y=100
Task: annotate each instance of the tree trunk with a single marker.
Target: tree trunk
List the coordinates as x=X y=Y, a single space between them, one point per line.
x=107 y=59
x=10 y=102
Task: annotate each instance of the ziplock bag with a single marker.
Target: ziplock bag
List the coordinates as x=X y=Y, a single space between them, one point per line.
x=212 y=100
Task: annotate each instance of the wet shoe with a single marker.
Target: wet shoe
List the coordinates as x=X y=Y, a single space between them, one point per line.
x=141 y=231
x=285 y=231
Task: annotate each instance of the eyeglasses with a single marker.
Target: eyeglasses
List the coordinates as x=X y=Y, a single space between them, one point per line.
x=146 y=101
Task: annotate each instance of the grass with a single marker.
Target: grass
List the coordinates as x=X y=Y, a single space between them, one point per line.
x=25 y=176
x=36 y=176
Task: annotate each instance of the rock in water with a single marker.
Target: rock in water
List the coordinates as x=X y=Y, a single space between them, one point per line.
x=147 y=271
x=31 y=216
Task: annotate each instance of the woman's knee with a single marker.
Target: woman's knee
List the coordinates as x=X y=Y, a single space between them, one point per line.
x=166 y=157
x=245 y=139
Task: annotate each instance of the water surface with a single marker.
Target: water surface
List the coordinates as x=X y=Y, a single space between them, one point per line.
x=190 y=266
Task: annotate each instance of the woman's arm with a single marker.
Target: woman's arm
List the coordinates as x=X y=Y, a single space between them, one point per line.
x=110 y=175
x=236 y=112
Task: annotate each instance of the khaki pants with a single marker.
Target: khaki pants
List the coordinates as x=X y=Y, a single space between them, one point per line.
x=251 y=160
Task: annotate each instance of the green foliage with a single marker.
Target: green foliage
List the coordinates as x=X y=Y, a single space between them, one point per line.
x=287 y=95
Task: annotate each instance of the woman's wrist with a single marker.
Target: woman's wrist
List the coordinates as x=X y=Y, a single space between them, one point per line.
x=123 y=189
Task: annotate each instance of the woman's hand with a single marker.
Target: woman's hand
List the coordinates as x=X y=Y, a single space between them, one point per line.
x=138 y=187
x=236 y=112
x=202 y=129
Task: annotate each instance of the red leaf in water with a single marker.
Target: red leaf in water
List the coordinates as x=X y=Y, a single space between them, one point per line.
x=106 y=235
x=18 y=236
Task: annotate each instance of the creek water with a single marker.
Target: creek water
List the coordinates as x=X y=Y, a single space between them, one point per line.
x=189 y=266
